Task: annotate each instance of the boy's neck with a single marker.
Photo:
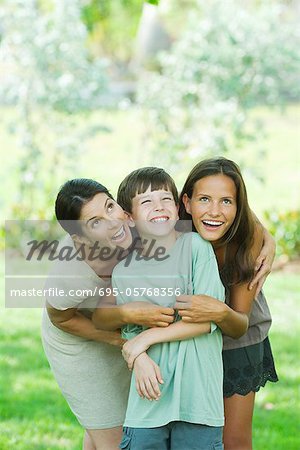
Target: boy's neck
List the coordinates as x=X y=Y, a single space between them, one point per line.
x=152 y=244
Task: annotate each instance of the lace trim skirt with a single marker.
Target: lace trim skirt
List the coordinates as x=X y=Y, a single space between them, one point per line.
x=248 y=368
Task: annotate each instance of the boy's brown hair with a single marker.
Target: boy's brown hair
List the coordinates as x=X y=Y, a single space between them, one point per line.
x=138 y=181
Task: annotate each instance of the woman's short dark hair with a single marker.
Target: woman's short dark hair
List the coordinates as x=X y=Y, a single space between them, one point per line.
x=73 y=195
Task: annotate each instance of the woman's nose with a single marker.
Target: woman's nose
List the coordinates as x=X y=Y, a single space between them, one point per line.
x=118 y=214
x=114 y=223
x=214 y=209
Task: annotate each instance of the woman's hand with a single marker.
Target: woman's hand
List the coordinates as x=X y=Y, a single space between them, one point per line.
x=112 y=338
x=133 y=348
x=147 y=314
x=147 y=377
x=264 y=262
x=200 y=308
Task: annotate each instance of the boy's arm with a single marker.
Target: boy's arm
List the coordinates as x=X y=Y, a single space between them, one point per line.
x=205 y=278
x=177 y=331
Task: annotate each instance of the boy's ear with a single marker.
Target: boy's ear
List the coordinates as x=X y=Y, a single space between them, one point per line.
x=130 y=219
x=186 y=202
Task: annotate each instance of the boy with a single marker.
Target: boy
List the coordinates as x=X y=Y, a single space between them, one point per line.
x=189 y=412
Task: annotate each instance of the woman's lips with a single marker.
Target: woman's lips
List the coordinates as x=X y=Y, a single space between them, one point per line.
x=213 y=224
x=119 y=235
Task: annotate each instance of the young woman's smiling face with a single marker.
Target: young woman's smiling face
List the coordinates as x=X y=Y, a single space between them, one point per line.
x=212 y=206
x=105 y=222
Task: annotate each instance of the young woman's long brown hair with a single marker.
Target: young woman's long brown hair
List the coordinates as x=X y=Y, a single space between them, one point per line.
x=239 y=265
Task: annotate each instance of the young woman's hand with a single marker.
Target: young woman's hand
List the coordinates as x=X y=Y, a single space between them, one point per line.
x=200 y=308
x=147 y=377
x=133 y=348
x=263 y=263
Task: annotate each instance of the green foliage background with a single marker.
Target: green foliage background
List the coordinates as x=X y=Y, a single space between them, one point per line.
x=62 y=118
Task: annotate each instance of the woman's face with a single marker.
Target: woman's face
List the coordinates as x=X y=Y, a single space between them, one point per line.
x=104 y=222
x=212 y=206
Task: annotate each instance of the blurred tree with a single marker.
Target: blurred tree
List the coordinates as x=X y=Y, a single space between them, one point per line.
x=47 y=75
x=228 y=60
x=151 y=37
x=112 y=26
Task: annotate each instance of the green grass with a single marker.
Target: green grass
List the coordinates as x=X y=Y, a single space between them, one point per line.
x=34 y=415
x=277 y=410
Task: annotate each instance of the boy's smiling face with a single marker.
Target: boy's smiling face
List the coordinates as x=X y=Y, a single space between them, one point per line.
x=154 y=212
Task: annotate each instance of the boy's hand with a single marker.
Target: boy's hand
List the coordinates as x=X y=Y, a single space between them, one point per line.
x=133 y=348
x=147 y=314
x=147 y=377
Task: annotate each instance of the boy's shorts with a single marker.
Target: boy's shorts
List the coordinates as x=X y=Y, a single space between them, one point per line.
x=173 y=436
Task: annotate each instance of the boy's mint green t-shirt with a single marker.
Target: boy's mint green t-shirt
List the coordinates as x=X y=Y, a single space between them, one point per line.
x=192 y=369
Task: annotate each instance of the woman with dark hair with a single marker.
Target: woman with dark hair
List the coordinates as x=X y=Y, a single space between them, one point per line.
x=87 y=362
x=214 y=196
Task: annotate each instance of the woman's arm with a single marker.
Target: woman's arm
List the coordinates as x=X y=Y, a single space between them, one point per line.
x=109 y=316
x=73 y=322
x=233 y=320
x=177 y=331
x=201 y=308
x=264 y=261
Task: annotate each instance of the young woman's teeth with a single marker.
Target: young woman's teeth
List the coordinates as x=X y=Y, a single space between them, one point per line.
x=212 y=223
x=119 y=234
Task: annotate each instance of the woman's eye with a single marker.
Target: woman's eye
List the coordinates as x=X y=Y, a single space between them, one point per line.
x=227 y=201
x=167 y=198
x=145 y=201
x=203 y=199
x=95 y=223
x=110 y=206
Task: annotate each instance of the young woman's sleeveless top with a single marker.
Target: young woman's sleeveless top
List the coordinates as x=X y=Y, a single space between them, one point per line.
x=259 y=324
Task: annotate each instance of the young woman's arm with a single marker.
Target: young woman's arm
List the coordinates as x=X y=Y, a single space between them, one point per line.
x=233 y=319
x=109 y=316
x=73 y=322
x=264 y=261
x=201 y=308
